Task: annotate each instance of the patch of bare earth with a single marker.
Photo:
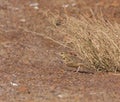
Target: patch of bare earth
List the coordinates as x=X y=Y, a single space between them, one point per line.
x=31 y=69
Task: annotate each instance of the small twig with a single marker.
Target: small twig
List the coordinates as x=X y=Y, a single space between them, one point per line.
x=46 y=37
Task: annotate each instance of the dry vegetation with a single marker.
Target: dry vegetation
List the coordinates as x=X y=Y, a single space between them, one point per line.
x=96 y=42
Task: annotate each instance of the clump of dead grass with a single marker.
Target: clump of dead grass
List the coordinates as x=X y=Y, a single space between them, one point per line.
x=95 y=41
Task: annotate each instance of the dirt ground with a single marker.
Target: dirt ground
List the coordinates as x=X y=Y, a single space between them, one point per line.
x=30 y=67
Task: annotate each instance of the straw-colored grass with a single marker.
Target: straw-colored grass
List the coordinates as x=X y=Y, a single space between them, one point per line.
x=95 y=41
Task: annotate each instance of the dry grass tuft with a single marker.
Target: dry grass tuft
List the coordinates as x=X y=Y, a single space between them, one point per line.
x=95 y=41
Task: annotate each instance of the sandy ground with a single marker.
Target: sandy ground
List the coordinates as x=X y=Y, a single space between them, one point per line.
x=30 y=67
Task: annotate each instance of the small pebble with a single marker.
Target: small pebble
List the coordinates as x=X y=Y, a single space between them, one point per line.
x=22 y=20
x=13 y=84
x=34 y=4
x=66 y=5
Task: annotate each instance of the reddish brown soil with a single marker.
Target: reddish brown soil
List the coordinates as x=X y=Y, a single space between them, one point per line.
x=30 y=68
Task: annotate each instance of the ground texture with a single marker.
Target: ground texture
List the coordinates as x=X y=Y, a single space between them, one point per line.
x=31 y=69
